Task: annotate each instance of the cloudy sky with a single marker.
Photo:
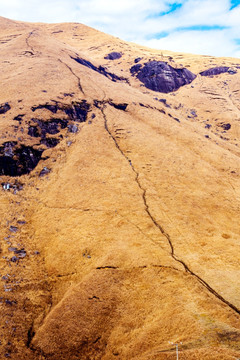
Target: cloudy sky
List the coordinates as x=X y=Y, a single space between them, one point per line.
x=210 y=27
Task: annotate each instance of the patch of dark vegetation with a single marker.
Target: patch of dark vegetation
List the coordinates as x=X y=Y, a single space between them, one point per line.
x=121 y=106
x=100 y=69
x=229 y=335
x=19 y=117
x=218 y=70
x=51 y=107
x=4 y=108
x=162 y=77
x=113 y=56
x=78 y=111
x=17 y=160
x=50 y=142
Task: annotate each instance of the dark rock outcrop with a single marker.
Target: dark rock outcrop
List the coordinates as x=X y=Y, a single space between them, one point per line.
x=121 y=106
x=44 y=171
x=100 y=69
x=113 y=56
x=4 y=108
x=73 y=128
x=162 y=77
x=137 y=60
x=51 y=107
x=18 y=160
x=19 y=117
x=78 y=111
x=50 y=142
x=218 y=70
x=33 y=131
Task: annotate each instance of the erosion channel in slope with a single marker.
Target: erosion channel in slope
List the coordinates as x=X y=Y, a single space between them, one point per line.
x=161 y=229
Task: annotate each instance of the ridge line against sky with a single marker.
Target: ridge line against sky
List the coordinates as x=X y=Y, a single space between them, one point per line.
x=207 y=27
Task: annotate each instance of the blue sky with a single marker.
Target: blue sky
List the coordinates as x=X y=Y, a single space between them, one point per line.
x=209 y=27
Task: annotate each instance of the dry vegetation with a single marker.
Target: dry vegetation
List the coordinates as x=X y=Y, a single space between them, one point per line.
x=119 y=205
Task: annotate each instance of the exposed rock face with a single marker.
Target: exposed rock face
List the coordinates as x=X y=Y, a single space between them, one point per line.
x=162 y=77
x=218 y=70
x=78 y=111
x=119 y=106
x=4 y=108
x=113 y=56
x=100 y=69
x=18 y=160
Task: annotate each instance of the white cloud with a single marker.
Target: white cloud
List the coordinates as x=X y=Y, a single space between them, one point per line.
x=133 y=20
x=197 y=42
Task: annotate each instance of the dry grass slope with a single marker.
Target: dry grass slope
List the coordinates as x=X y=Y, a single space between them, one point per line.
x=119 y=204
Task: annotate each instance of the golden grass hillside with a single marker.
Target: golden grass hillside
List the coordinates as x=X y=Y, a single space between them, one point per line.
x=119 y=204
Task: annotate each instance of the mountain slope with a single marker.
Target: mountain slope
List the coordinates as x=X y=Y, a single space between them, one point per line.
x=119 y=204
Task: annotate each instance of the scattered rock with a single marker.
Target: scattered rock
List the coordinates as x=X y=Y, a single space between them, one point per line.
x=137 y=60
x=159 y=76
x=73 y=128
x=11 y=248
x=113 y=56
x=21 y=222
x=44 y=171
x=13 y=229
x=14 y=259
x=20 y=253
x=225 y=126
x=193 y=113
x=164 y=101
x=4 y=108
x=6 y=186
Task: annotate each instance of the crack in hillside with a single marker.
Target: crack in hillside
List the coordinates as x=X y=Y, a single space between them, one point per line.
x=161 y=229
x=27 y=42
x=106 y=267
x=77 y=77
